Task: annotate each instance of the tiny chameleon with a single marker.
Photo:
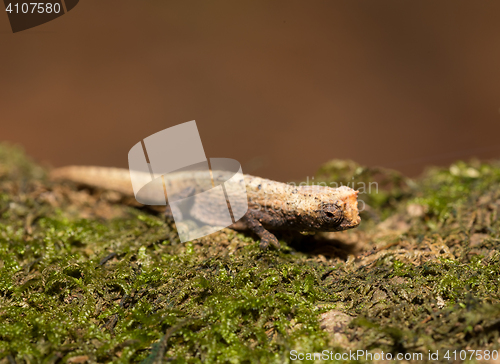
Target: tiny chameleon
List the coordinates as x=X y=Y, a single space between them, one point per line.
x=272 y=205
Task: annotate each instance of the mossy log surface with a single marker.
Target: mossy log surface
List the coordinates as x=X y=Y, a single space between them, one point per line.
x=85 y=277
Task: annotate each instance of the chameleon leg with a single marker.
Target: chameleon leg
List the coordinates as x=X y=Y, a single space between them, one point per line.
x=265 y=236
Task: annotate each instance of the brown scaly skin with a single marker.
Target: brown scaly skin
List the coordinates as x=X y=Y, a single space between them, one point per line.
x=272 y=205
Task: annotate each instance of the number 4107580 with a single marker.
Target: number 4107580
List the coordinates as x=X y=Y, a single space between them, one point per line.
x=34 y=7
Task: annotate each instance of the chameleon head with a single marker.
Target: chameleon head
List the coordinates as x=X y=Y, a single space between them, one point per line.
x=328 y=209
x=340 y=210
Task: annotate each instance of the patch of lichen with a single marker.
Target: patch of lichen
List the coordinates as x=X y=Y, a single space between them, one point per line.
x=83 y=278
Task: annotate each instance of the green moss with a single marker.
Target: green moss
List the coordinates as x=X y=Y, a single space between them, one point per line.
x=83 y=277
x=457 y=185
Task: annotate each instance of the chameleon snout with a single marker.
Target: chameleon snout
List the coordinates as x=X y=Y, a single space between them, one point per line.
x=351 y=212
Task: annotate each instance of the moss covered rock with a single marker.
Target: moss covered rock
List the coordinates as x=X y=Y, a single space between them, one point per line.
x=84 y=278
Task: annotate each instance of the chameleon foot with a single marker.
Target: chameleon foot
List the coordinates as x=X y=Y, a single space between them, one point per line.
x=265 y=236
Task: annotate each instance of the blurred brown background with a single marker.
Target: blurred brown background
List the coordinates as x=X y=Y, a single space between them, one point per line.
x=281 y=86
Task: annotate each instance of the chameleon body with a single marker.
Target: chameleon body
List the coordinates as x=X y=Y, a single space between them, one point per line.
x=271 y=205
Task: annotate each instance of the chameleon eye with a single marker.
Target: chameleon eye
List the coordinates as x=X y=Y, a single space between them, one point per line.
x=333 y=214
